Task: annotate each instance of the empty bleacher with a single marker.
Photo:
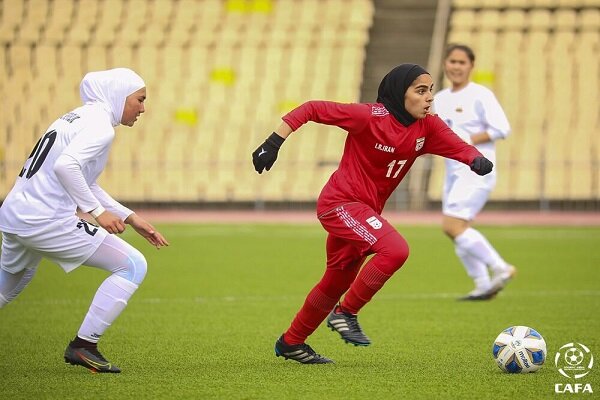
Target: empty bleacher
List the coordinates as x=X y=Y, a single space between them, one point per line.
x=219 y=74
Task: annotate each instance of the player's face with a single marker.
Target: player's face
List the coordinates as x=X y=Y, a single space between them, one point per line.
x=418 y=97
x=134 y=106
x=458 y=67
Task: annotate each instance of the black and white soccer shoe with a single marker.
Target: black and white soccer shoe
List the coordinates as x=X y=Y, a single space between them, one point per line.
x=302 y=353
x=89 y=358
x=498 y=282
x=347 y=326
x=479 y=295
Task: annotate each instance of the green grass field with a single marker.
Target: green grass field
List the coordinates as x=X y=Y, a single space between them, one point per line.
x=204 y=322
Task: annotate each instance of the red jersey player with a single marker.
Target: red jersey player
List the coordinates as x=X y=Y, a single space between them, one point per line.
x=383 y=141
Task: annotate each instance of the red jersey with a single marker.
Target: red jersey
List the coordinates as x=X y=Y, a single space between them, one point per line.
x=379 y=150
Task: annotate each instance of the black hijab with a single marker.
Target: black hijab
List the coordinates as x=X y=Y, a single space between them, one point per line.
x=393 y=88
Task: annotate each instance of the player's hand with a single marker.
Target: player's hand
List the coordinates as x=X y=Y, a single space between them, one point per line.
x=110 y=222
x=146 y=230
x=265 y=155
x=482 y=166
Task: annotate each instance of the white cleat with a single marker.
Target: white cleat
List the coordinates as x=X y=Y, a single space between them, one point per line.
x=500 y=280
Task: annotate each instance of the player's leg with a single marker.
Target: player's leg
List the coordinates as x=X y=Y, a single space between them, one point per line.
x=472 y=242
x=343 y=263
x=463 y=200
x=370 y=233
x=18 y=265
x=128 y=268
x=476 y=269
x=72 y=242
x=391 y=252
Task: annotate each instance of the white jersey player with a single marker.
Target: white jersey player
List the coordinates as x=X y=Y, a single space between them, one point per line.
x=473 y=112
x=38 y=217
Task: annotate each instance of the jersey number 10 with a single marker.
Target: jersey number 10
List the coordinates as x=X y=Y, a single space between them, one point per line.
x=39 y=154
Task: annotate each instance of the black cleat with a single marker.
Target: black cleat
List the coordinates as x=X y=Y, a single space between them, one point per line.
x=347 y=326
x=302 y=353
x=89 y=358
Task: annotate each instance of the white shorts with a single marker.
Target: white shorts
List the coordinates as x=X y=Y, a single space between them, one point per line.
x=465 y=194
x=68 y=242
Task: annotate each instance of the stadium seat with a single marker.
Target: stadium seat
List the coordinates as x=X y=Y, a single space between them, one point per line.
x=12 y=18
x=33 y=22
x=213 y=73
x=107 y=28
x=96 y=58
x=79 y=29
x=463 y=19
x=57 y=22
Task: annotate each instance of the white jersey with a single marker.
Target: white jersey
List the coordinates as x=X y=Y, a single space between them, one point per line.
x=472 y=110
x=83 y=137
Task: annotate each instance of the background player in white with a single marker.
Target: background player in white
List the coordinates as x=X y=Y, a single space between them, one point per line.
x=473 y=112
x=38 y=217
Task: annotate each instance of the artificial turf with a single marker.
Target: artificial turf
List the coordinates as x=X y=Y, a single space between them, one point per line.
x=204 y=322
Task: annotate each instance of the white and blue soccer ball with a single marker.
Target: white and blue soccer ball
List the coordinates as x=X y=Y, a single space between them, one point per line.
x=519 y=349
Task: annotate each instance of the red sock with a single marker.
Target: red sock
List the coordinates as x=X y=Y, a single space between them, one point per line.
x=369 y=281
x=316 y=307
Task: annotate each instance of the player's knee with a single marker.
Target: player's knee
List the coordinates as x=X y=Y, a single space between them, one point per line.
x=136 y=268
x=393 y=258
x=399 y=255
x=453 y=227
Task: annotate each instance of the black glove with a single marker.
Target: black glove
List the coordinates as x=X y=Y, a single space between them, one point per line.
x=481 y=166
x=265 y=155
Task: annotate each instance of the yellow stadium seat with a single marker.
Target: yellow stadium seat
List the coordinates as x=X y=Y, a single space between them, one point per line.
x=58 y=21
x=488 y=20
x=512 y=19
x=565 y=20
x=96 y=58
x=46 y=64
x=20 y=59
x=79 y=30
x=106 y=30
x=539 y=19
x=34 y=20
x=463 y=19
x=589 y=19
x=11 y=18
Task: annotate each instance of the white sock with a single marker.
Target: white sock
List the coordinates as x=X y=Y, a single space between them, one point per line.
x=3 y=301
x=477 y=246
x=476 y=269
x=110 y=299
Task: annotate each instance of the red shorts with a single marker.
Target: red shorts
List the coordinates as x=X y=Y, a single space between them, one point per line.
x=353 y=229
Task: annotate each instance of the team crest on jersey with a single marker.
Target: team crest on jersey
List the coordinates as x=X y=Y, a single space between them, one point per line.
x=374 y=222
x=420 y=143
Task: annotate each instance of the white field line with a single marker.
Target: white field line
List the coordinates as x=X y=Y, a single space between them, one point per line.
x=297 y=298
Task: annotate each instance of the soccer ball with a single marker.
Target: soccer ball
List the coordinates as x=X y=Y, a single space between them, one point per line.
x=573 y=356
x=519 y=349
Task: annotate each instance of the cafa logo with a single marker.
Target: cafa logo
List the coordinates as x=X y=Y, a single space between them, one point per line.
x=574 y=361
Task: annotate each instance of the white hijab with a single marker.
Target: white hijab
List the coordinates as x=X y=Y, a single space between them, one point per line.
x=110 y=88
